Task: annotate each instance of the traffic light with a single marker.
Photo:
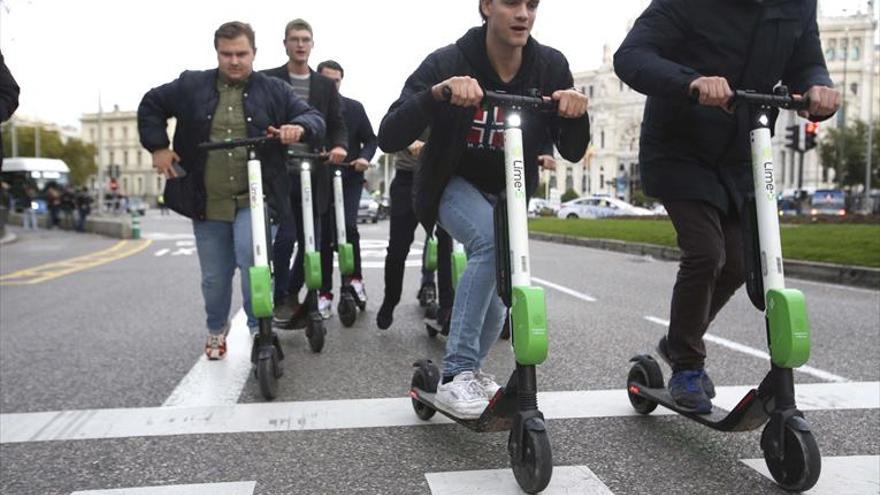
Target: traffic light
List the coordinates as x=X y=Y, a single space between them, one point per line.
x=792 y=137
x=810 y=129
x=113 y=184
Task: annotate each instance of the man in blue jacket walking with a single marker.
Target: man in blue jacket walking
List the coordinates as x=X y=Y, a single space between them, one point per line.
x=696 y=157
x=229 y=102
x=361 y=148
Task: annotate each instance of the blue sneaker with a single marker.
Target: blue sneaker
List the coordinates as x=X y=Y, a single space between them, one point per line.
x=686 y=389
x=708 y=386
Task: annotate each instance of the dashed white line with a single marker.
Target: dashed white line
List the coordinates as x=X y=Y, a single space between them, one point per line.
x=736 y=346
x=565 y=290
x=565 y=480
x=852 y=475
x=362 y=413
x=234 y=488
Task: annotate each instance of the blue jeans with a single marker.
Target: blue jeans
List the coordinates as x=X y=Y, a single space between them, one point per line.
x=223 y=246
x=477 y=313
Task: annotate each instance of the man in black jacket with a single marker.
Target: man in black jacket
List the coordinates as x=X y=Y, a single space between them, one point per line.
x=229 y=102
x=696 y=158
x=8 y=97
x=361 y=148
x=462 y=165
x=323 y=95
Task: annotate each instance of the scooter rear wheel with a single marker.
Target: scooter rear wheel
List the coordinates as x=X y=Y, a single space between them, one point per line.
x=534 y=470
x=424 y=380
x=646 y=373
x=798 y=469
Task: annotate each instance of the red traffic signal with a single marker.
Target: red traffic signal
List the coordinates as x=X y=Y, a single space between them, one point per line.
x=114 y=185
x=810 y=130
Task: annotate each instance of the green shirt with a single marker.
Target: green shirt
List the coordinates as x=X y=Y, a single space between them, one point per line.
x=226 y=170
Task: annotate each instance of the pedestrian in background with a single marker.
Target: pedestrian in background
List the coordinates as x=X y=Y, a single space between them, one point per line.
x=83 y=208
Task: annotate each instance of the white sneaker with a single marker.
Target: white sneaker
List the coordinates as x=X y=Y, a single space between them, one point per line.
x=487 y=382
x=325 y=306
x=463 y=396
x=358 y=286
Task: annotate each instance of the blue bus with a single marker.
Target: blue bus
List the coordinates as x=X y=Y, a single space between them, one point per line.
x=828 y=202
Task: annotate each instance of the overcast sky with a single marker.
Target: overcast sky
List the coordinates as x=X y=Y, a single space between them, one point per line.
x=64 y=52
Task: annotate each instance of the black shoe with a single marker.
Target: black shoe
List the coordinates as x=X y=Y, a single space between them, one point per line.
x=444 y=316
x=686 y=389
x=663 y=351
x=385 y=317
x=427 y=294
x=282 y=313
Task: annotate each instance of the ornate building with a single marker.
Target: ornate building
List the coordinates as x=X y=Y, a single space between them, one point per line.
x=611 y=164
x=120 y=146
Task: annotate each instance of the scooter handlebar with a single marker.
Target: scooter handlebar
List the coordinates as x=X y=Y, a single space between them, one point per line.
x=510 y=101
x=236 y=143
x=317 y=157
x=748 y=97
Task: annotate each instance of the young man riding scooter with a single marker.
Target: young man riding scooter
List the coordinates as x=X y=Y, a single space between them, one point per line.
x=696 y=157
x=462 y=166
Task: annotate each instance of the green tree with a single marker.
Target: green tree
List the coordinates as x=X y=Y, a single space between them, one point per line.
x=843 y=150
x=541 y=190
x=79 y=156
x=569 y=195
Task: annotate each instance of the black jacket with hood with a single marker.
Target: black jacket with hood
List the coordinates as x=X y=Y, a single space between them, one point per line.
x=543 y=68
x=693 y=152
x=324 y=97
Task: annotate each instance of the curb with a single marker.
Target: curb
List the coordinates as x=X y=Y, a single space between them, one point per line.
x=8 y=238
x=854 y=276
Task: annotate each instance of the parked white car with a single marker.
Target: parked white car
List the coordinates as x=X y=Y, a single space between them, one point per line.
x=537 y=204
x=600 y=207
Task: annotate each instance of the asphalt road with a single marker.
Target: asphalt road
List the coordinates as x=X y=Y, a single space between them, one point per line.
x=117 y=339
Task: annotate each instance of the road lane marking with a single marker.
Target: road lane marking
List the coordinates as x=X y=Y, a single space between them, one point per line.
x=363 y=413
x=160 y=236
x=56 y=269
x=217 y=383
x=566 y=480
x=736 y=346
x=163 y=252
x=852 y=475
x=565 y=290
x=234 y=488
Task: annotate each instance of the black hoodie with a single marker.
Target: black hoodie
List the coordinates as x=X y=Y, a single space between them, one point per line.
x=453 y=148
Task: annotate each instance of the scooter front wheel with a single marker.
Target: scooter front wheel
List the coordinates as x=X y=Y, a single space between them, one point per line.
x=267 y=371
x=315 y=332
x=534 y=469
x=347 y=311
x=799 y=467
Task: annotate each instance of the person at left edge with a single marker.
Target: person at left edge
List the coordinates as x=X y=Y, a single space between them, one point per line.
x=229 y=102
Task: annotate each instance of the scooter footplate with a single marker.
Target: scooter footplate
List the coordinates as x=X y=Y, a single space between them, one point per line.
x=497 y=417
x=748 y=415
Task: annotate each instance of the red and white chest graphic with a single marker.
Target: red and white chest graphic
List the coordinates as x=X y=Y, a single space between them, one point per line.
x=487 y=130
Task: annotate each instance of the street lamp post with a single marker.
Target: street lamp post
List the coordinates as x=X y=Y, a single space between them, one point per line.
x=872 y=55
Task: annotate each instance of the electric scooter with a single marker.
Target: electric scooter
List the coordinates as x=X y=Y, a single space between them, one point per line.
x=266 y=353
x=458 y=259
x=349 y=302
x=314 y=324
x=789 y=447
x=427 y=295
x=515 y=406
